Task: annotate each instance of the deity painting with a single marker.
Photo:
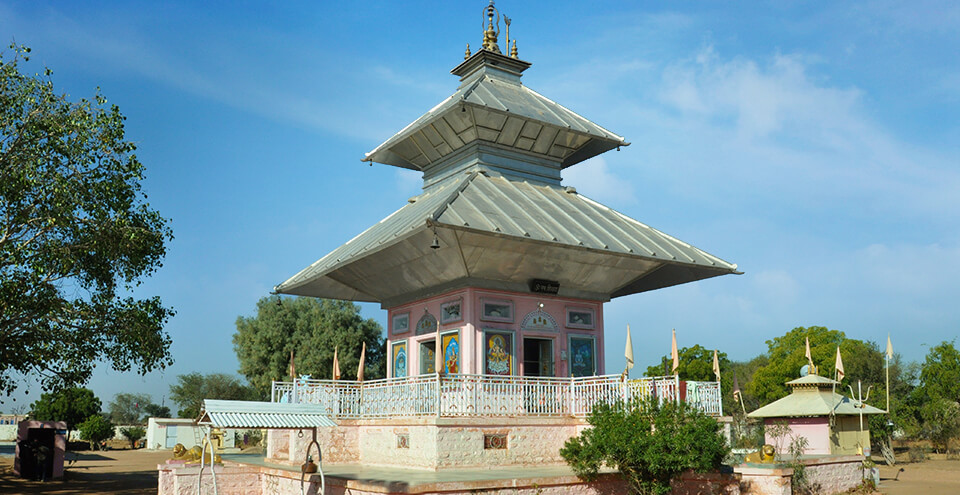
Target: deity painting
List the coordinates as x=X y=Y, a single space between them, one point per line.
x=450 y=311
x=498 y=358
x=451 y=353
x=400 y=360
x=582 y=358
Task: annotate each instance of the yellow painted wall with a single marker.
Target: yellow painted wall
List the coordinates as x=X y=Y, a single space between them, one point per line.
x=846 y=438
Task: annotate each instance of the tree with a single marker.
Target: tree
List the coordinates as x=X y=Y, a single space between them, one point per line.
x=696 y=363
x=311 y=328
x=648 y=442
x=96 y=429
x=155 y=411
x=128 y=409
x=940 y=374
x=192 y=388
x=76 y=235
x=862 y=360
x=133 y=434
x=73 y=405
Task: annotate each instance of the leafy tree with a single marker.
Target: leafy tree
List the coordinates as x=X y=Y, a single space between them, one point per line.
x=696 y=363
x=940 y=374
x=311 y=328
x=75 y=236
x=862 y=361
x=941 y=422
x=72 y=405
x=96 y=429
x=192 y=388
x=155 y=411
x=133 y=434
x=128 y=409
x=648 y=442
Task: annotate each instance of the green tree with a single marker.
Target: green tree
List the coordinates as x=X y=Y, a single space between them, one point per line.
x=133 y=434
x=76 y=235
x=155 y=411
x=192 y=388
x=72 y=405
x=940 y=374
x=862 y=360
x=648 y=442
x=311 y=328
x=128 y=409
x=696 y=363
x=96 y=429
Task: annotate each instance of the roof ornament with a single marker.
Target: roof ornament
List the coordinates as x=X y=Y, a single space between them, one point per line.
x=466 y=54
x=491 y=30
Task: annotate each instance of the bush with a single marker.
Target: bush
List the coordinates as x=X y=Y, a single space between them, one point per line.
x=941 y=422
x=96 y=429
x=648 y=442
x=133 y=434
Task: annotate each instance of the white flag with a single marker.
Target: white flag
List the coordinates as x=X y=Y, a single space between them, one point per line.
x=839 y=366
x=628 y=352
x=889 y=348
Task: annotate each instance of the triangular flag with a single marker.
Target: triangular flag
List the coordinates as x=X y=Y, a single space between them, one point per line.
x=628 y=352
x=336 y=365
x=736 y=388
x=674 y=354
x=889 y=348
x=438 y=353
x=716 y=365
x=839 y=366
x=293 y=368
x=809 y=356
x=363 y=360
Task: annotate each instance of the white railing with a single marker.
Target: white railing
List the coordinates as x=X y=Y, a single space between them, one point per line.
x=489 y=395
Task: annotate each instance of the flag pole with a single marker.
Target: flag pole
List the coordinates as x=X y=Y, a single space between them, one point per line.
x=887 y=357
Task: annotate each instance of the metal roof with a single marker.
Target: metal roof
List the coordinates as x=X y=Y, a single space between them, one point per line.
x=502 y=232
x=492 y=105
x=252 y=414
x=812 y=402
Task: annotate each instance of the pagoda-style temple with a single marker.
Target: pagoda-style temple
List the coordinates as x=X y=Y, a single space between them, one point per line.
x=494 y=280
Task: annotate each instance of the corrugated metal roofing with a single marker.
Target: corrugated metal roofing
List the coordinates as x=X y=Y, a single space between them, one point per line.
x=252 y=414
x=520 y=219
x=812 y=402
x=496 y=110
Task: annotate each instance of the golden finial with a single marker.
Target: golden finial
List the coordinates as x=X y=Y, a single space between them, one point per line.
x=513 y=50
x=466 y=54
x=491 y=30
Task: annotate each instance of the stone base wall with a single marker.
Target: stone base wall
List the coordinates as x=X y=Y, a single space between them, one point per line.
x=177 y=478
x=827 y=475
x=431 y=443
x=691 y=483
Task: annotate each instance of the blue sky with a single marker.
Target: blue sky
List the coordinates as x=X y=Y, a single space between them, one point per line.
x=817 y=145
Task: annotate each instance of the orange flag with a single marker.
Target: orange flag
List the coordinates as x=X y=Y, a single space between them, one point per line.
x=839 y=366
x=674 y=354
x=363 y=360
x=336 y=365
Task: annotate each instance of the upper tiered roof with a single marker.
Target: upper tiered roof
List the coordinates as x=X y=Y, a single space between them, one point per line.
x=493 y=213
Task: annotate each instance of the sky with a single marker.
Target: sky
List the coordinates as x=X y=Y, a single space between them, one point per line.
x=815 y=144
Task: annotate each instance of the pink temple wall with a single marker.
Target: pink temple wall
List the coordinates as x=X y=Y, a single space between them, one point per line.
x=816 y=429
x=472 y=327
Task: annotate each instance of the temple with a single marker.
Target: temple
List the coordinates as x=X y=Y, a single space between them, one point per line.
x=494 y=280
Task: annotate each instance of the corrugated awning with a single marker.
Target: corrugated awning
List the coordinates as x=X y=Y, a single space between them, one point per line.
x=252 y=414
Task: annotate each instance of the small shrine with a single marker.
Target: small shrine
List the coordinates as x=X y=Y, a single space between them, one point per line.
x=832 y=423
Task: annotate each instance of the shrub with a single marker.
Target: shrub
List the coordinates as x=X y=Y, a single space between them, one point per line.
x=648 y=442
x=133 y=434
x=96 y=429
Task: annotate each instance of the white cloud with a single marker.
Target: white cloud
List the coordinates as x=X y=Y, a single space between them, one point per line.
x=594 y=179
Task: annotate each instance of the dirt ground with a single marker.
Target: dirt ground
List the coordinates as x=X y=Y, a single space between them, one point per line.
x=934 y=477
x=124 y=472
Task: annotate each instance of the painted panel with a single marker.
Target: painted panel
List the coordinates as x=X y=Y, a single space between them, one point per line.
x=427 y=324
x=450 y=343
x=539 y=320
x=498 y=353
x=583 y=356
x=401 y=322
x=451 y=311
x=399 y=359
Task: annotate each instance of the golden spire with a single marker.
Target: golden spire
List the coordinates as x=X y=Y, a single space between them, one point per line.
x=492 y=29
x=466 y=54
x=513 y=51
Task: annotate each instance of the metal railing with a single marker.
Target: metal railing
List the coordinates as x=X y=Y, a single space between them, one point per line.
x=488 y=395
